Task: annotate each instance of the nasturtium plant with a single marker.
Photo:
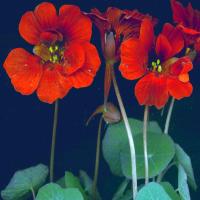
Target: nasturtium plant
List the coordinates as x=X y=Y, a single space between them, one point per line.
x=138 y=152
x=24 y=182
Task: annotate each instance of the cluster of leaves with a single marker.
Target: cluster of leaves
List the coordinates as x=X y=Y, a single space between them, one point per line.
x=162 y=153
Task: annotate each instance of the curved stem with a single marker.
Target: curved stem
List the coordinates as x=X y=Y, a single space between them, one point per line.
x=96 y=171
x=33 y=193
x=55 y=121
x=160 y=177
x=129 y=134
x=146 y=111
x=169 y=114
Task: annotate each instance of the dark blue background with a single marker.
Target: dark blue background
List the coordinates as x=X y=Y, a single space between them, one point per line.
x=26 y=123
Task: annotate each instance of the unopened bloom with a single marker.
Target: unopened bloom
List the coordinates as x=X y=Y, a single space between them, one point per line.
x=153 y=60
x=63 y=55
x=110 y=113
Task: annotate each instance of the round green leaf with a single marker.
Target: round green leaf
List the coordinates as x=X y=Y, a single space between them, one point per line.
x=53 y=191
x=152 y=191
x=161 y=150
x=23 y=181
x=116 y=140
x=72 y=181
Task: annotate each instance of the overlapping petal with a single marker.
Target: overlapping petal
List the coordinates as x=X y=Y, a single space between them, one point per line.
x=29 y=28
x=179 y=89
x=163 y=47
x=181 y=66
x=45 y=14
x=74 y=25
x=24 y=70
x=84 y=76
x=74 y=57
x=152 y=90
x=53 y=85
x=134 y=58
x=175 y=38
x=147 y=34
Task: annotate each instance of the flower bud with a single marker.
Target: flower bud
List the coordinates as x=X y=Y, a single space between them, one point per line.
x=111 y=114
x=110 y=47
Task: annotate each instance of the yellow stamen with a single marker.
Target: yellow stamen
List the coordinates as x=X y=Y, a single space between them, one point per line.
x=159 y=69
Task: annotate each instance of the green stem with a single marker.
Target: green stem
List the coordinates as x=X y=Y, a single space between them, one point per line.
x=129 y=134
x=169 y=114
x=55 y=121
x=146 y=112
x=107 y=82
x=166 y=130
x=160 y=177
x=33 y=193
x=96 y=171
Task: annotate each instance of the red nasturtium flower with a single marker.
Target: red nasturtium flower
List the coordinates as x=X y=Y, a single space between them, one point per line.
x=166 y=75
x=115 y=26
x=188 y=20
x=63 y=55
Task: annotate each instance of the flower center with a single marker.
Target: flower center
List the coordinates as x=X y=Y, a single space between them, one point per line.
x=156 y=66
x=53 y=53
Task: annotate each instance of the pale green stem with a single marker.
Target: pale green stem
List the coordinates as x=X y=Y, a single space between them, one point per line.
x=96 y=171
x=33 y=193
x=169 y=114
x=160 y=177
x=129 y=134
x=166 y=130
x=55 y=121
x=146 y=112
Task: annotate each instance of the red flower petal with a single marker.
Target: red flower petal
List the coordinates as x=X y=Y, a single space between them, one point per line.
x=74 y=58
x=152 y=90
x=179 y=12
x=163 y=47
x=181 y=66
x=53 y=85
x=74 y=25
x=46 y=15
x=188 y=20
x=32 y=24
x=189 y=31
x=147 y=34
x=85 y=75
x=24 y=70
x=179 y=89
x=174 y=37
x=134 y=59
x=29 y=28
